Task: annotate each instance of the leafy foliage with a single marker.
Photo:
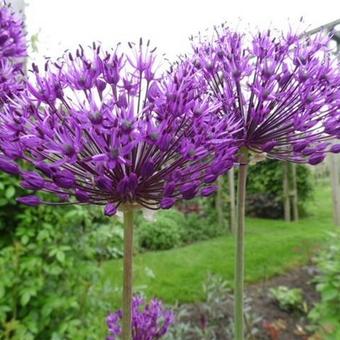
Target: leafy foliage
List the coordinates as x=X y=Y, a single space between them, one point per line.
x=9 y=190
x=211 y=319
x=326 y=314
x=289 y=299
x=162 y=233
x=171 y=228
x=265 y=188
x=49 y=271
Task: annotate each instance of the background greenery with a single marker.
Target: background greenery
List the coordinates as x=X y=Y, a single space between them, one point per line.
x=61 y=273
x=265 y=189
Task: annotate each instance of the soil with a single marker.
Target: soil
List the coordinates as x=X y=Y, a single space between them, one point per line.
x=278 y=324
x=268 y=320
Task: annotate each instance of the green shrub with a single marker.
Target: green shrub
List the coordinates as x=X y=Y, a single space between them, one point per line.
x=9 y=209
x=288 y=299
x=265 y=188
x=162 y=233
x=49 y=269
x=200 y=228
x=326 y=314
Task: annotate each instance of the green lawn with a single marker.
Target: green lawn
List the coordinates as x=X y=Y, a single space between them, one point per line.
x=272 y=247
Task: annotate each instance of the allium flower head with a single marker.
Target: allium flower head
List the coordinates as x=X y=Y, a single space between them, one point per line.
x=105 y=128
x=149 y=321
x=284 y=89
x=12 y=51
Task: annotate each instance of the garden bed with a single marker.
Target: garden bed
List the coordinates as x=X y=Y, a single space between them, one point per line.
x=289 y=325
x=267 y=319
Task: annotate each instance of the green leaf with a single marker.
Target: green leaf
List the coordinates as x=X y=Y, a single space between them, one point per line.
x=3 y=202
x=2 y=291
x=25 y=298
x=60 y=256
x=329 y=294
x=10 y=192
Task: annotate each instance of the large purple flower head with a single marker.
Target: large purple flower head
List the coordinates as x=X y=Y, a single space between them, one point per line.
x=103 y=128
x=149 y=321
x=284 y=89
x=12 y=52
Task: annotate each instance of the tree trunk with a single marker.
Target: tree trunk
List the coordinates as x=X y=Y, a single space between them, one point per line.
x=286 y=200
x=295 y=194
x=219 y=202
x=334 y=170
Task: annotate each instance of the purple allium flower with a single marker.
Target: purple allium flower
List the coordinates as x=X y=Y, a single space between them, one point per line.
x=12 y=52
x=284 y=89
x=149 y=321
x=104 y=128
x=12 y=36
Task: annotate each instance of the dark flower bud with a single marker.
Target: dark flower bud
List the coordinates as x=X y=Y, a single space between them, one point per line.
x=167 y=202
x=208 y=191
x=30 y=200
x=335 y=148
x=189 y=190
x=82 y=196
x=268 y=146
x=104 y=183
x=110 y=209
x=64 y=178
x=9 y=166
x=32 y=181
x=148 y=168
x=316 y=158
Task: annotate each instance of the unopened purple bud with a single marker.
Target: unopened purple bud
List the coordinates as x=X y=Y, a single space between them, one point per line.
x=164 y=142
x=9 y=166
x=122 y=101
x=3 y=37
x=335 y=148
x=82 y=196
x=300 y=146
x=65 y=179
x=167 y=202
x=45 y=168
x=32 y=181
x=269 y=146
x=189 y=190
x=110 y=209
x=100 y=85
x=96 y=117
x=316 y=158
x=210 y=178
x=30 y=141
x=169 y=188
x=104 y=183
x=128 y=184
x=208 y=191
x=30 y=200
x=148 y=168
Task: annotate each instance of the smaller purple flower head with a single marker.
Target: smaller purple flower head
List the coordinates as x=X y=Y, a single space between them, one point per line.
x=149 y=321
x=284 y=89
x=12 y=52
x=12 y=36
x=105 y=128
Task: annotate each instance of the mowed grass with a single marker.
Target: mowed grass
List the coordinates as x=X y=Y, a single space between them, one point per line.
x=272 y=247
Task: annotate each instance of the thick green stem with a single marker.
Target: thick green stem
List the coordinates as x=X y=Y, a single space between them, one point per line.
x=239 y=248
x=127 y=285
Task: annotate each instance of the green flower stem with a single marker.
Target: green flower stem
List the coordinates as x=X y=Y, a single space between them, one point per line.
x=239 y=247
x=127 y=284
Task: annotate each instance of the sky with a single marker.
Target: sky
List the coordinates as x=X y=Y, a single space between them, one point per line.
x=63 y=24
